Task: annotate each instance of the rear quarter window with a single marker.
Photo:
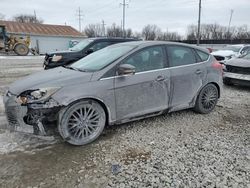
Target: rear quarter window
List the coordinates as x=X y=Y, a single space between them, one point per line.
x=204 y=56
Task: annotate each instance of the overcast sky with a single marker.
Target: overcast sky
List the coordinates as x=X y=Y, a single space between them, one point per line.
x=171 y=15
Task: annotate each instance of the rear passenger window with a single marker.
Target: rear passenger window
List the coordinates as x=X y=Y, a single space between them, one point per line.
x=99 y=46
x=204 y=56
x=179 y=55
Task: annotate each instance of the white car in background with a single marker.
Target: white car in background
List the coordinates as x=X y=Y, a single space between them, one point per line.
x=231 y=51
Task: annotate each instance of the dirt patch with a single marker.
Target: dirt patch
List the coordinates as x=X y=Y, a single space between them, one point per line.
x=135 y=154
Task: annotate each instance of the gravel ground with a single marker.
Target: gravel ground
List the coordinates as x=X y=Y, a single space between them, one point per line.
x=181 y=149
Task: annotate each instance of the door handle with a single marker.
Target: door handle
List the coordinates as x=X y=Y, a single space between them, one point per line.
x=160 y=78
x=198 y=71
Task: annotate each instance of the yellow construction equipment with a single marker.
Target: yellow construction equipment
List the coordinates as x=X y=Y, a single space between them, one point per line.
x=12 y=43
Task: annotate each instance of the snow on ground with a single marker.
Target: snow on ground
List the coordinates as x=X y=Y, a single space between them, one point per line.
x=15 y=141
x=21 y=57
x=11 y=69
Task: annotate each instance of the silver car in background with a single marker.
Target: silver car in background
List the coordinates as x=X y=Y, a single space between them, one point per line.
x=118 y=84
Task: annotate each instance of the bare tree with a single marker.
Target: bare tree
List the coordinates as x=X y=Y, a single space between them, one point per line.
x=26 y=18
x=192 y=32
x=169 y=36
x=114 y=31
x=137 y=35
x=209 y=31
x=151 y=32
x=93 y=30
x=129 y=33
x=242 y=32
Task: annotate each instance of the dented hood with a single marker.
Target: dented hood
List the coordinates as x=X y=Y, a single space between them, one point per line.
x=239 y=62
x=57 y=77
x=224 y=53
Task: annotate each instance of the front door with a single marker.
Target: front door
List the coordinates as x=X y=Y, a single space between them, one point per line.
x=147 y=90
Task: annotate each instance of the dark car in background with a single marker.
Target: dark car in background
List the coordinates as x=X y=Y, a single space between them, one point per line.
x=237 y=71
x=80 y=50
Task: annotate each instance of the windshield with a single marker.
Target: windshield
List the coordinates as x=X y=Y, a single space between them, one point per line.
x=233 y=48
x=246 y=56
x=102 y=58
x=81 y=45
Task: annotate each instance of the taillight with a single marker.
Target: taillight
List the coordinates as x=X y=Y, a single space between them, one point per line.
x=216 y=65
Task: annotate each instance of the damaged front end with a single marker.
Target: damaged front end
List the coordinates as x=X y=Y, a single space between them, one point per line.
x=32 y=111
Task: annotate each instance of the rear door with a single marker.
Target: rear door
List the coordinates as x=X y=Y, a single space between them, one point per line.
x=147 y=90
x=187 y=76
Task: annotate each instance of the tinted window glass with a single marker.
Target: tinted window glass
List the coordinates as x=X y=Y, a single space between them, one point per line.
x=81 y=45
x=204 y=56
x=179 y=55
x=245 y=50
x=99 y=46
x=148 y=59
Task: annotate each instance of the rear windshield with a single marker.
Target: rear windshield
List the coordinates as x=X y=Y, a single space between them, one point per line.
x=102 y=58
x=81 y=45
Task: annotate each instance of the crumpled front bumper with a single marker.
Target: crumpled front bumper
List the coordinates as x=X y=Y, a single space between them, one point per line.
x=15 y=114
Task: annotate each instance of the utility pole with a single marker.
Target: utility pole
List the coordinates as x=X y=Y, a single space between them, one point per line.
x=103 y=28
x=80 y=18
x=199 y=24
x=124 y=4
x=35 y=14
x=229 y=24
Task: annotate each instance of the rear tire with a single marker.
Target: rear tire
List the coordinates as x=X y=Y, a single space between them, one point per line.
x=207 y=99
x=82 y=122
x=21 y=49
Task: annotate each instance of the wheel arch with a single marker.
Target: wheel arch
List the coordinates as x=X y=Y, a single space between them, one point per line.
x=217 y=86
x=214 y=83
x=99 y=101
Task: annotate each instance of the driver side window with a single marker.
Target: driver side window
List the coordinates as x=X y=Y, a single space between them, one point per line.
x=148 y=59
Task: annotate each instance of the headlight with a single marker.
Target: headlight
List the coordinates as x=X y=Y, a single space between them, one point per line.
x=36 y=95
x=56 y=58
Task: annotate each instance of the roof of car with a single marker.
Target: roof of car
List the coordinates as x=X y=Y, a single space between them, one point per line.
x=113 y=38
x=151 y=43
x=239 y=45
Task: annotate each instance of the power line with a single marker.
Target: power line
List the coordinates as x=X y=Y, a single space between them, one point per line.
x=124 y=4
x=229 y=24
x=199 y=24
x=35 y=14
x=103 y=28
x=80 y=18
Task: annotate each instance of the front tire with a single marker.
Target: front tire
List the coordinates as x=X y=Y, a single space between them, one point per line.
x=21 y=49
x=82 y=122
x=207 y=99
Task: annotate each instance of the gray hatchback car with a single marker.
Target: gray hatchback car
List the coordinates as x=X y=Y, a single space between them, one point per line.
x=118 y=84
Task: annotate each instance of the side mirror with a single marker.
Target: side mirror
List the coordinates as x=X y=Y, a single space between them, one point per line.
x=126 y=69
x=89 y=51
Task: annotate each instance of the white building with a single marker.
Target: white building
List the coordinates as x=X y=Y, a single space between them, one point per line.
x=44 y=37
